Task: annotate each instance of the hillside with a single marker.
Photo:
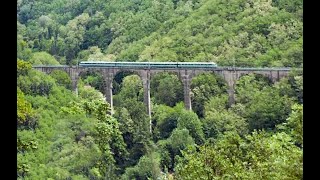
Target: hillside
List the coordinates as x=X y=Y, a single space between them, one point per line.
x=64 y=135
x=247 y=33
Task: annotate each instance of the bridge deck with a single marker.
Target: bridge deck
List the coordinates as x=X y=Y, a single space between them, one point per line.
x=184 y=68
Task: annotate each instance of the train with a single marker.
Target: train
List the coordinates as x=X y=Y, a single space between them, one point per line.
x=147 y=65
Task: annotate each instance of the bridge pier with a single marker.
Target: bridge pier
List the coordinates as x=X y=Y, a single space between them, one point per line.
x=274 y=76
x=230 y=78
x=186 y=80
x=146 y=95
x=74 y=75
x=75 y=86
x=108 y=79
x=231 y=99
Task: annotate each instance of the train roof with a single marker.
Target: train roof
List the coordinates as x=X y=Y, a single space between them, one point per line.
x=127 y=62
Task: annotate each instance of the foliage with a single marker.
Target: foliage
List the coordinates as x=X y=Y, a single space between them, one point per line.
x=249 y=85
x=290 y=6
x=93 y=79
x=266 y=104
x=36 y=83
x=165 y=119
x=43 y=58
x=107 y=136
x=190 y=121
x=62 y=78
x=25 y=113
x=134 y=122
x=89 y=93
x=26 y=141
x=218 y=120
x=170 y=149
x=147 y=168
x=23 y=67
x=132 y=88
x=203 y=87
x=137 y=139
x=295 y=80
x=65 y=144
x=267 y=109
x=261 y=33
x=64 y=136
x=294 y=124
x=166 y=89
x=258 y=156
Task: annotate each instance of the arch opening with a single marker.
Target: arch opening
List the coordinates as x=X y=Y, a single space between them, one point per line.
x=127 y=85
x=250 y=81
x=204 y=86
x=166 y=88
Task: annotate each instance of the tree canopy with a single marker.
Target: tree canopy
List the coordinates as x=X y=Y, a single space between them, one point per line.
x=64 y=135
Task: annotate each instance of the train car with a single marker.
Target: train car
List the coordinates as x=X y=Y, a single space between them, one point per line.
x=197 y=65
x=163 y=65
x=103 y=64
x=148 y=65
x=143 y=65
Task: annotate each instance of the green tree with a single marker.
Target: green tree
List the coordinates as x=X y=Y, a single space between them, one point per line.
x=260 y=155
x=203 y=87
x=170 y=149
x=267 y=109
x=147 y=168
x=93 y=79
x=62 y=78
x=23 y=49
x=36 y=83
x=131 y=88
x=129 y=101
x=90 y=94
x=25 y=113
x=290 y=6
x=107 y=136
x=74 y=32
x=190 y=121
x=43 y=58
x=294 y=124
x=249 y=85
x=166 y=89
x=141 y=134
x=23 y=67
x=218 y=120
x=165 y=120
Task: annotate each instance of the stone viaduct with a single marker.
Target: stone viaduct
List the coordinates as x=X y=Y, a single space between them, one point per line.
x=229 y=74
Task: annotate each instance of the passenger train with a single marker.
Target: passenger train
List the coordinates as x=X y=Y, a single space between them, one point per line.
x=147 y=65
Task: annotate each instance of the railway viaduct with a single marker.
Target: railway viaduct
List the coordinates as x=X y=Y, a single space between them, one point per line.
x=229 y=74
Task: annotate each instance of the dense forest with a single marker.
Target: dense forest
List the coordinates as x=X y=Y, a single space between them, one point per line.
x=64 y=135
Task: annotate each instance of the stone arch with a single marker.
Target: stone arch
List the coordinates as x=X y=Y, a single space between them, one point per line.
x=273 y=76
x=175 y=93
x=61 y=72
x=186 y=76
x=84 y=72
x=120 y=75
x=145 y=77
x=257 y=76
x=200 y=94
x=72 y=71
x=107 y=76
x=110 y=74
